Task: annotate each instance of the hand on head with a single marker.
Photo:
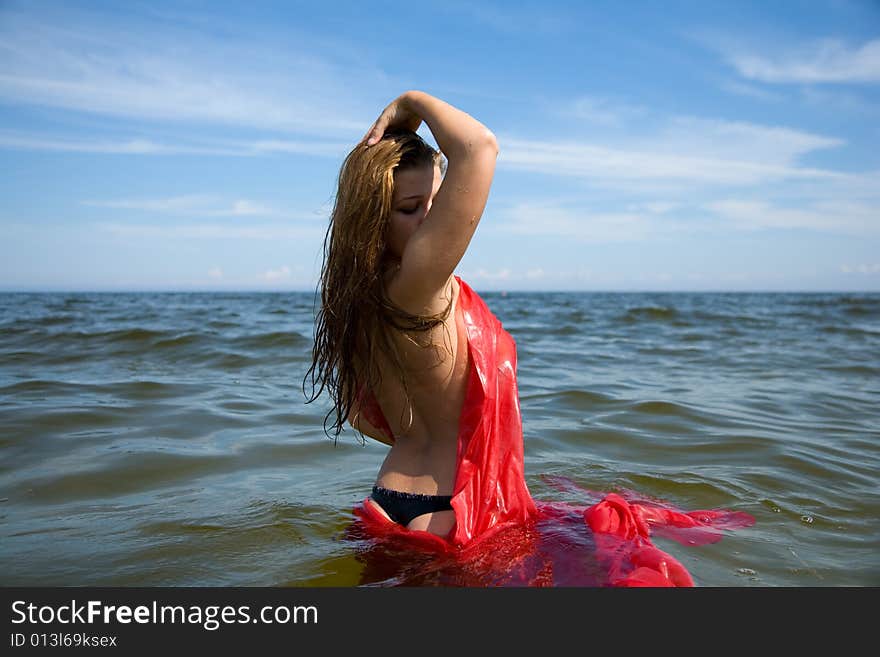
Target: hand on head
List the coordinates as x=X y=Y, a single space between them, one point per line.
x=400 y=113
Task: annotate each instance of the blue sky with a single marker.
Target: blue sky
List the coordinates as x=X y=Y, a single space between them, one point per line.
x=643 y=145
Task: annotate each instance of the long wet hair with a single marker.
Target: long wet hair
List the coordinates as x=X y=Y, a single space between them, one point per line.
x=353 y=321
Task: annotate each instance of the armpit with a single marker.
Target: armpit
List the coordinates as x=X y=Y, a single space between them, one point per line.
x=359 y=423
x=367 y=417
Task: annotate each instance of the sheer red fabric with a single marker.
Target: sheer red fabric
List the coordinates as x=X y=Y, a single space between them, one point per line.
x=501 y=529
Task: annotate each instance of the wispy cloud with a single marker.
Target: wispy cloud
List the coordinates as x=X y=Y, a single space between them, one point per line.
x=738 y=141
x=509 y=18
x=122 y=147
x=215 y=272
x=750 y=91
x=823 y=61
x=319 y=148
x=830 y=217
x=279 y=274
x=89 y=62
x=599 y=110
x=483 y=274
x=652 y=221
x=579 y=225
x=667 y=160
x=861 y=269
x=839 y=100
x=206 y=146
x=194 y=205
x=213 y=231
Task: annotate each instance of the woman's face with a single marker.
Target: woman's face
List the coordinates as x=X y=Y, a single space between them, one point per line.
x=414 y=191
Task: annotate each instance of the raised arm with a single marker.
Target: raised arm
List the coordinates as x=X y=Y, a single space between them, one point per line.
x=438 y=245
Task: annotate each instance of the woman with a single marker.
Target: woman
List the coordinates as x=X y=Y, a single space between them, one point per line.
x=408 y=351
x=412 y=357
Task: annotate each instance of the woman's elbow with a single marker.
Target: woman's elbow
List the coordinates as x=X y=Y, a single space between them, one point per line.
x=491 y=141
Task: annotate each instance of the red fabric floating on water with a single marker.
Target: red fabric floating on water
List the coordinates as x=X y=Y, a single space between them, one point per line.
x=501 y=535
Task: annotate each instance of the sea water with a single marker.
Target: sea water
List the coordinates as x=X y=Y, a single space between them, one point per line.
x=163 y=439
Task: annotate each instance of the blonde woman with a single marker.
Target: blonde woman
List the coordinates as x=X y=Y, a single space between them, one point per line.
x=409 y=353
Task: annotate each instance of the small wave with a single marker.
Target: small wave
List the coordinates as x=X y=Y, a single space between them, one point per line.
x=852 y=331
x=137 y=336
x=577 y=316
x=270 y=340
x=576 y=399
x=694 y=337
x=661 y=415
x=852 y=369
x=861 y=310
x=136 y=472
x=70 y=421
x=660 y=407
x=74 y=302
x=53 y=320
x=566 y=329
x=732 y=319
x=44 y=387
x=648 y=313
x=151 y=390
x=185 y=340
x=670 y=351
x=244 y=407
x=836 y=301
x=220 y=324
x=231 y=361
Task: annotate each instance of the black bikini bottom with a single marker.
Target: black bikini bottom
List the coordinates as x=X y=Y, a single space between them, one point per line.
x=403 y=507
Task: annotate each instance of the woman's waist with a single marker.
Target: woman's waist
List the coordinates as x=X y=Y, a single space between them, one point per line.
x=413 y=471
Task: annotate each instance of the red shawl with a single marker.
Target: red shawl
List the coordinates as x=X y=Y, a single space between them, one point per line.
x=490 y=487
x=491 y=495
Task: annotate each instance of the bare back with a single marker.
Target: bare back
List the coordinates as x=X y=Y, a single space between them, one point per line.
x=422 y=458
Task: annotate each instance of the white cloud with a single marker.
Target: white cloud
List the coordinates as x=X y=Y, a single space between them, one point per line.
x=583 y=226
x=276 y=274
x=486 y=275
x=188 y=205
x=861 y=269
x=839 y=100
x=319 y=148
x=739 y=142
x=85 y=61
x=826 y=216
x=650 y=221
x=654 y=207
x=244 y=207
x=692 y=151
x=510 y=18
x=215 y=272
x=122 y=147
x=224 y=147
x=601 y=111
x=206 y=205
x=274 y=232
x=750 y=91
x=827 y=60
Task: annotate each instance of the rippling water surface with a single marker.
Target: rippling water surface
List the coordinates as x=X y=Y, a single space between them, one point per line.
x=162 y=438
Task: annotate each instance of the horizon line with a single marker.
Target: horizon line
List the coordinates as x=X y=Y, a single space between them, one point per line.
x=492 y=291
